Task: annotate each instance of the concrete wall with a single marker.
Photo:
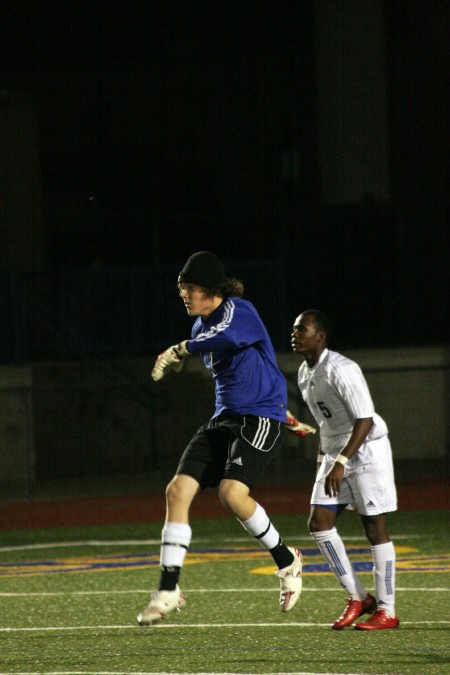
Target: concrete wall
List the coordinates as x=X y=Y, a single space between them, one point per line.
x=74 y=419
x=410 y=389
x=17 y=454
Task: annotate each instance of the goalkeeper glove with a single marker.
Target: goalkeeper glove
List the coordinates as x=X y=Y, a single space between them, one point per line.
x=171 y=359
x=297 y=428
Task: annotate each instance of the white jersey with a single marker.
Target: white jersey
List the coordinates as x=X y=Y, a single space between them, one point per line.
x=337 y=394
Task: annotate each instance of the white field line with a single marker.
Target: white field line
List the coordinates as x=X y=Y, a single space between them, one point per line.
x=75 y=544
x=133 y=591
x=190 y=626
x=157 y=542
x=361 y=538
x=134 y=672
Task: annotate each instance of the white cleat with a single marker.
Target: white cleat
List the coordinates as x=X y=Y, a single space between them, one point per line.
x=161 y=604
x=290 y=581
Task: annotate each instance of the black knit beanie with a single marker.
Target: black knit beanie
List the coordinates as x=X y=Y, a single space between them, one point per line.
x=203 y=269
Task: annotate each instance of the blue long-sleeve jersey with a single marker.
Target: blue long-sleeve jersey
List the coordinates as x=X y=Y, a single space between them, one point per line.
x=234 y=344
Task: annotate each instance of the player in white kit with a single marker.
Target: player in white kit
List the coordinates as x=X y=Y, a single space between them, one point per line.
x=355 y=469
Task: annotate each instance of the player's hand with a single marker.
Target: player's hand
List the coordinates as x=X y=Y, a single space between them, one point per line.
x=171 y=359
x=297 y=428
x=333 y=480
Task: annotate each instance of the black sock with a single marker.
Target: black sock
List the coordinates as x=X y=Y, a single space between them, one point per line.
x=282 y=555
x=169 y=578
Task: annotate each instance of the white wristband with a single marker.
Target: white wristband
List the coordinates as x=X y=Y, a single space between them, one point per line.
x=342 y=459
x=181 y=349
x=319 y=459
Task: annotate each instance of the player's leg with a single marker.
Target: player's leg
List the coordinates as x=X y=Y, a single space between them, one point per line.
x=322 y=528
x=176 y=532
x=324 y=511
x=235 y=496
x=254 y=519
x=375 y=495
x=383 y=555
x=245 y=464
x=175 y=541
x=246 y=461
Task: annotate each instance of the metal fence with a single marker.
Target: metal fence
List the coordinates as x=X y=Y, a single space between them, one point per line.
x=84 y=426
x=115 y=311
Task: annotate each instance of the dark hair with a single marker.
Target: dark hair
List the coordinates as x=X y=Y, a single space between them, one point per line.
x=321 y=321
x=230 y=287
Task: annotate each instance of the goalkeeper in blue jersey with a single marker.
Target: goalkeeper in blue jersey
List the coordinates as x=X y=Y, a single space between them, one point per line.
x=234 y=447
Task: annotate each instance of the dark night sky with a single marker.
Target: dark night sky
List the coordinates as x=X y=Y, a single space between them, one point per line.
x=162 y=128
x=172 y=110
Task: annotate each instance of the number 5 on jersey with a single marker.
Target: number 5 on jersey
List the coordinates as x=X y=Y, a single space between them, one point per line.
x=325 y=411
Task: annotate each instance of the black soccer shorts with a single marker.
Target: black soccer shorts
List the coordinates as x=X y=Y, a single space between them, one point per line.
x=236 y=447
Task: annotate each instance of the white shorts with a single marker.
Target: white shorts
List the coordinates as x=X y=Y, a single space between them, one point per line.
x=368 y=484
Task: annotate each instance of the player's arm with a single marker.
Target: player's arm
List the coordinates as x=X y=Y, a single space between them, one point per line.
x=236 y=329
x=171 y=359
x=361 y=429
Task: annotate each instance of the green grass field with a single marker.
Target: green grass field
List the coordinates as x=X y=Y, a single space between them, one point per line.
x=69 y=600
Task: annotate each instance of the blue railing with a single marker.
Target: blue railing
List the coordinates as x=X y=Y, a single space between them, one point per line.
x=116 y=311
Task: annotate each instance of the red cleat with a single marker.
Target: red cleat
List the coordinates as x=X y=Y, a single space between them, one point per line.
x=378 y=621
x=353 y=610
